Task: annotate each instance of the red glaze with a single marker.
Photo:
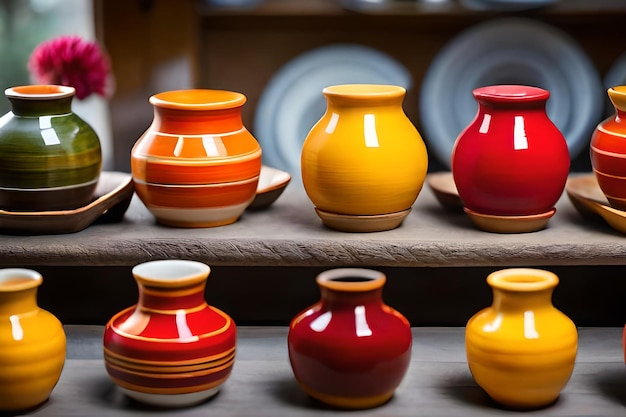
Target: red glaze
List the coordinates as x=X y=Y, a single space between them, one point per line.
x=624 y=342
x=608 y=151
x=511 y=160
x=350 y=350
x=171 y=341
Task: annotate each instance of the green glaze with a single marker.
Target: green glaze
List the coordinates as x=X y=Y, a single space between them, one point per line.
x=44 y=145
x=71 y=155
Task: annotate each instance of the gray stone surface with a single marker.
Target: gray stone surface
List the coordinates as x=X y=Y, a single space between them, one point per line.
x=438 y=382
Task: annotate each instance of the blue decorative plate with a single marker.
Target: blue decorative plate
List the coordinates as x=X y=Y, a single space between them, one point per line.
x=509 y=51
x=292 y=101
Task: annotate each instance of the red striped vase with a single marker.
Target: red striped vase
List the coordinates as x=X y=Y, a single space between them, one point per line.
x=171 y=349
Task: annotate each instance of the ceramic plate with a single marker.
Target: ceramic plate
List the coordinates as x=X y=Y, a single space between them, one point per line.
x=509 y=51
x=443 y=187
x=272 y=183
x=508 y=5
x=510 y=224
x=587 y=197
x=362 y=224
x=292 y=101
x=112 y=198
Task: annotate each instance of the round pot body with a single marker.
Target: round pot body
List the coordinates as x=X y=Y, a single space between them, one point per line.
x=521 y=350
x=511 y=160
x=608 y=151
x=171 y=349
x=32 y=343
x=350 y=350
x=196 y=165
x=364 y=157
x=50 y=159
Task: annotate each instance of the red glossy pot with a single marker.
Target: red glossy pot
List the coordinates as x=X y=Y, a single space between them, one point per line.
x=624 y=342
x=350 y=350
x=511 y=160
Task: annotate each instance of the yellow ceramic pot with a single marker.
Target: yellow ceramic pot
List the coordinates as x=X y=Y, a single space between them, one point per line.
x=364 y=159
x=521 y=350
x=32 y=343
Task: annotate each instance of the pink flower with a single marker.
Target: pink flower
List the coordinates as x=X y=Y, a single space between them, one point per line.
x=74 y=62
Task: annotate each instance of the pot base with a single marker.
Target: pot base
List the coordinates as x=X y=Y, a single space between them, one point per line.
x=354 y=403
x=198 y=217
x=367 y=223
x=171 y=400
x=510 y=224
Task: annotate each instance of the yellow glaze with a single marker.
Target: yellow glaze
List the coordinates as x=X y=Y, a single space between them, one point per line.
x=364 y=156
x=32 y=343
x=521 y=350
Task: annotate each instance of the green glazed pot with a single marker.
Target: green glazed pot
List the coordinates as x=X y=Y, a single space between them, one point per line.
x=50 y=159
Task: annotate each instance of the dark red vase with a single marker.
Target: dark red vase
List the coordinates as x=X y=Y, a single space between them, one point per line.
x=624 y=342
x=511 y=160
x=350 y=350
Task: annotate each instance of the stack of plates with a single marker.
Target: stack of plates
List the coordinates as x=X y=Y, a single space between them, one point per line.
x=510 y=51
x=508 y=5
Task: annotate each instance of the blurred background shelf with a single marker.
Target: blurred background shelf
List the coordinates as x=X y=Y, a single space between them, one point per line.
x=163 y=44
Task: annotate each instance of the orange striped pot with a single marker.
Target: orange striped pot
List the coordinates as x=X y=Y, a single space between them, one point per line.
x=196 y=165
x=171 y=349
x=607 y=150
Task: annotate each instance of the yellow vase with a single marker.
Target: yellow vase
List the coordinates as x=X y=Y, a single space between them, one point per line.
x=521 y=350
x=32 y=343
x=363 y=162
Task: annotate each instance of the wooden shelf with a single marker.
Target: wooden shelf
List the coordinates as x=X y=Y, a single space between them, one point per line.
x=290 y=234
x=438 y=382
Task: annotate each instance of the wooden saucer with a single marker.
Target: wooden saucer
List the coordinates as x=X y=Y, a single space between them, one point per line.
x=510 y=224
x=355 y=223
x=587 y=197
x=111 y=200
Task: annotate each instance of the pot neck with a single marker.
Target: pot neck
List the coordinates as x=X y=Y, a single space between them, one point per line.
x=18 y=302
x=170 y=285
x=511 y=97
x=197 y=112
x=490 y=106
x=512 y=301
x=364 y=95
x=350 y=287
x=197 y=122
x=40 y=100
x=522 y=289
x=341 y=299
x=18 y=291
x=171 y=299
x=617 y=95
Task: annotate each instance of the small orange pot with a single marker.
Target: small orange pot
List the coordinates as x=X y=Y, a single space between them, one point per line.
x=196 y=165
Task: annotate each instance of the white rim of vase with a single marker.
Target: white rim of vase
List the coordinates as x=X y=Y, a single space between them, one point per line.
x=17 y=279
